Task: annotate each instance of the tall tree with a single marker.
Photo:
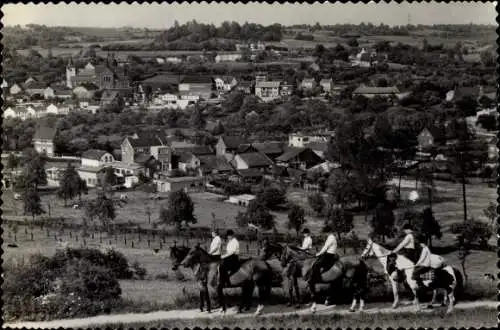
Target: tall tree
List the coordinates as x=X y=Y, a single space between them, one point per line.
x=69 y=185
x=316 y=202
x=179 y=209
x=104 y=209
x=32 y=201
x=340 y=220
x=256 y=214
x=296 y=218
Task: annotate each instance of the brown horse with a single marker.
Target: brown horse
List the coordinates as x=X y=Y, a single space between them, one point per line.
x=252 y=273
x=349 y=272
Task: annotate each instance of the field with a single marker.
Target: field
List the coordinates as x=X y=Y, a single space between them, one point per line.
x=164 y=289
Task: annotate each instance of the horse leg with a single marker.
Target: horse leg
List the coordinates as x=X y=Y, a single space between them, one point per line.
x=244 y=297
x=353 y=305
x=207 y=298
x=394 y=286
x=221 y=298
x=451 y=299
x=296 y=289
x=312 y=289
x=414 y=288
x=288 y=285
x=264 y=291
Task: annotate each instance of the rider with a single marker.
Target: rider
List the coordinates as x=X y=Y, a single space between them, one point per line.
x=327 y=256
x=215 y=246
x=307 y=242
x=230 y=260
x=407 y=245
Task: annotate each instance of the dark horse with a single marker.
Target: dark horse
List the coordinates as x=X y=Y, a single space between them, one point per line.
x=348 y=272
x=252 y=273
x=177 y=254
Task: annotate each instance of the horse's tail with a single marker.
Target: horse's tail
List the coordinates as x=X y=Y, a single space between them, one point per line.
x=459 y=288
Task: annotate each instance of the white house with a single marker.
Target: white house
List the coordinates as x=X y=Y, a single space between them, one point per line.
x=173 y=60
x=48 y=93
x=61 y=109
x=267 y=90
x=52 y=109
x=308 y=83
x=326 y=85
x=15 y=89
x=96 y=158
x=225 y=84
x=241 y=200
x=227 y=57
x=43 y=140
x=299 y=140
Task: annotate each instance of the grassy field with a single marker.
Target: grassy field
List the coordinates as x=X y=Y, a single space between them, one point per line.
x=165 y=289
x=479 y=317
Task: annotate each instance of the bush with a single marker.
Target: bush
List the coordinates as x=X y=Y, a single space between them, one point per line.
x=112 y=259
x=473 y=232
x=44 y=288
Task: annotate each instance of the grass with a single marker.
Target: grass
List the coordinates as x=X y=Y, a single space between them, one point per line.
x=480 y=317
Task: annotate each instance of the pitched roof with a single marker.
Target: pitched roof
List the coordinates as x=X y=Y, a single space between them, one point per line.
x=267 y=84
x=213 y=162
x=44 y=132
x=290 y=154
x=255 y=159
x=232 y=141
x=95 y=154
x=376 y=90
x=436 y=132
x=250 y=173
x=185 y=157
x=269 y=148
x=142 y=158
x=318 y=146
x=146 y=140
x=167 y=79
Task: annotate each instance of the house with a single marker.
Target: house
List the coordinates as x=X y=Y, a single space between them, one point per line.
x=230 y=57
x=188 y=161
x=60 y=109
x=251 y=160
x=299 y=158
x=308 y=84
x=90 y=174
x=371 y=92
x=63 y=93
x=43 y=140
x=163 y=154
x=286 y=89
x=96 y=158
x=15 y=89
x=241 y=200
x=34 y=88
x=186 y=183
x=108 y=97
x=430 y=136
x=326 y=85
x=85 y=91
x=271 y=149
x=319 y=147
x=214 y=165
x=200 y=86
x=300 y=140
x=109 y=75
x=225 y=83
x=173 y=59
x=245 y=87
x=267 y=90
x=143 y=144
x=147 y=162
x=228 y=145
x=48 y=93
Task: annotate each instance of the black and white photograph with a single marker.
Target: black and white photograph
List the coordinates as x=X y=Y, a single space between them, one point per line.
x=220 y=165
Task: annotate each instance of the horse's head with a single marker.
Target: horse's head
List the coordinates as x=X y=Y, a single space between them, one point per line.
x=194 y=256
x=177 y=254
x=269 y=250
x=368 y=251
x=286 y=255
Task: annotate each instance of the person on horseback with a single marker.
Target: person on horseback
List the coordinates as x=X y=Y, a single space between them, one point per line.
x=307 y=242
x=215 y=246
x=407 y=245
x=420 y=257
x=230 y=261
x=327 y=256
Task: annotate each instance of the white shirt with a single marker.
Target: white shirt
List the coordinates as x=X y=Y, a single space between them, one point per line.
x=330 y=245
x=215 y=246
x=407 y=243
x=307 y=243
x=232 y=248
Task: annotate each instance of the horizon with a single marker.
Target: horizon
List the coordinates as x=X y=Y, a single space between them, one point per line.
x=163 y=16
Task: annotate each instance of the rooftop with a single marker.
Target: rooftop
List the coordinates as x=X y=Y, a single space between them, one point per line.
x=95 y=154
x=267 y=84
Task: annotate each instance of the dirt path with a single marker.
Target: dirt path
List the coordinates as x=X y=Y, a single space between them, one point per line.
x=194 y=313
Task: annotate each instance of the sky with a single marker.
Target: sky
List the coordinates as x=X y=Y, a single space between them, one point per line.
x=158 y=16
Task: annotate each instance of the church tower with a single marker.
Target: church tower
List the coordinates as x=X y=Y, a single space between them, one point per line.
x=70 y=72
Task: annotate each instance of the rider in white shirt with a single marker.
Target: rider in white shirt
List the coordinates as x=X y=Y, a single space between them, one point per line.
x=215 y=246
x=230 y=260
x=327 y=256
x=407 y=245
x=307 y=242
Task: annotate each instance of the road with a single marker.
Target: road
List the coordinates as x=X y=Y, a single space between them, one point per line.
x=269 y=311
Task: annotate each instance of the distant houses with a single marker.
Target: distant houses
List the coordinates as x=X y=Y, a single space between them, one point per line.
x=43 y=140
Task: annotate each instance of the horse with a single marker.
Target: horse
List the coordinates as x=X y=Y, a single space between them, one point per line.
x=352 y=273
x=449 y=278
x=177 y=254
x=251 y=273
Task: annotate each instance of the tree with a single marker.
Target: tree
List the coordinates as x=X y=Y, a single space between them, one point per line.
x=34 y=168
x=352 y=42
x=491 y=213
x=82 y=188
x=383 y=221
x=467 y=106
x=296 y=218
x=256 y=214
x=467 y=234
x=487 y=58
x=316 y=202
x=32 y=202
x=488 y=122
x=108 y=178
x=271 y=197
x=70 y=184
x=179 y=210
x=12 y=162
x=340 y=220
x=196 y=120
x=104 y=209
x=428 y=226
